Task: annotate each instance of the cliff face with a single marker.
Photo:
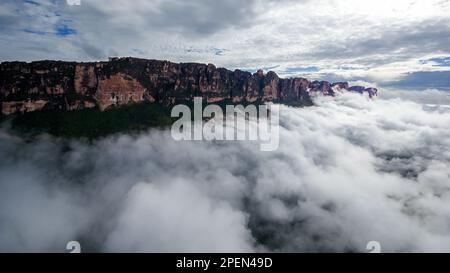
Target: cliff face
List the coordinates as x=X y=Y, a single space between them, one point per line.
x=26 y=87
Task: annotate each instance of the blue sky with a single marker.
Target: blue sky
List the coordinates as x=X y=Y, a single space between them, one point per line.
x=402 y=43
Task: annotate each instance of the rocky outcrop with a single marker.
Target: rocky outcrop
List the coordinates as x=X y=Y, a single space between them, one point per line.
x=322 y=87
x=372 y=92
x=57 y=85
x=294 y=89
x=340 y=85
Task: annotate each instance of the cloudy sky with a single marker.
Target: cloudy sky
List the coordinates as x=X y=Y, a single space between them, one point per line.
x=402 y=43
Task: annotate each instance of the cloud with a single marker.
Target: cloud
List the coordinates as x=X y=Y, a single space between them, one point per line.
x=7 y=19
x=380 y=41
x=438 y=61
x=202 y=17
x=423 y=80
x=430 y=96
x=348 y=171
x=416 y=38
x=178 y=216
x=299 y=70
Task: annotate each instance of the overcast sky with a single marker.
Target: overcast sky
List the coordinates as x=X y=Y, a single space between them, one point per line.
x=401 y=43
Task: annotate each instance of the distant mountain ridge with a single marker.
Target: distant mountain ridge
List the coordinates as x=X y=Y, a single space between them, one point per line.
x=69 y=86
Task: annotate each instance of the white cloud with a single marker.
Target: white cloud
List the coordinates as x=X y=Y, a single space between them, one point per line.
x=380 y=40
x=178 y=217
x=348 y=171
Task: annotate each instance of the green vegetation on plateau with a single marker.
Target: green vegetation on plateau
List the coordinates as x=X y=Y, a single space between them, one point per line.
x=92 y=123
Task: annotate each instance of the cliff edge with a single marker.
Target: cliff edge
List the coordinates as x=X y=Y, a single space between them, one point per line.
x=68 y=86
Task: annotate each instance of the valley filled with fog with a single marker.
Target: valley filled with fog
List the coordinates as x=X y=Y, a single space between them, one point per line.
x=348 y=170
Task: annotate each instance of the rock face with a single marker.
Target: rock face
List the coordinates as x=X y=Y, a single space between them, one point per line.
x=68 y=86
x=361 y=89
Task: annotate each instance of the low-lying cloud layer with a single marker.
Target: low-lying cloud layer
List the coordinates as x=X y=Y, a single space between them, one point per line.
x=348 y=171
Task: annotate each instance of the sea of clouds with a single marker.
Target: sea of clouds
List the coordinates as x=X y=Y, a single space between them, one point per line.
x=348 y=171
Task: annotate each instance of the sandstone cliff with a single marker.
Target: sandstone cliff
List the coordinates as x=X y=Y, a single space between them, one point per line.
x=56 y=85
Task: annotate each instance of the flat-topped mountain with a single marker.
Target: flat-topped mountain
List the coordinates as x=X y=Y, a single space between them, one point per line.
x=67 y=86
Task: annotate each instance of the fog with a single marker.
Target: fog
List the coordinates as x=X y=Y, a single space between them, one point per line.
x=348 y=171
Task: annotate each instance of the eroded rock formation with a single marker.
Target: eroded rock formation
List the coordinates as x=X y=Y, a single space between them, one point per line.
x=26 y=87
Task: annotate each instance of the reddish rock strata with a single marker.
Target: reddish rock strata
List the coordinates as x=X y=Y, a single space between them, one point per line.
x=26 y=87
